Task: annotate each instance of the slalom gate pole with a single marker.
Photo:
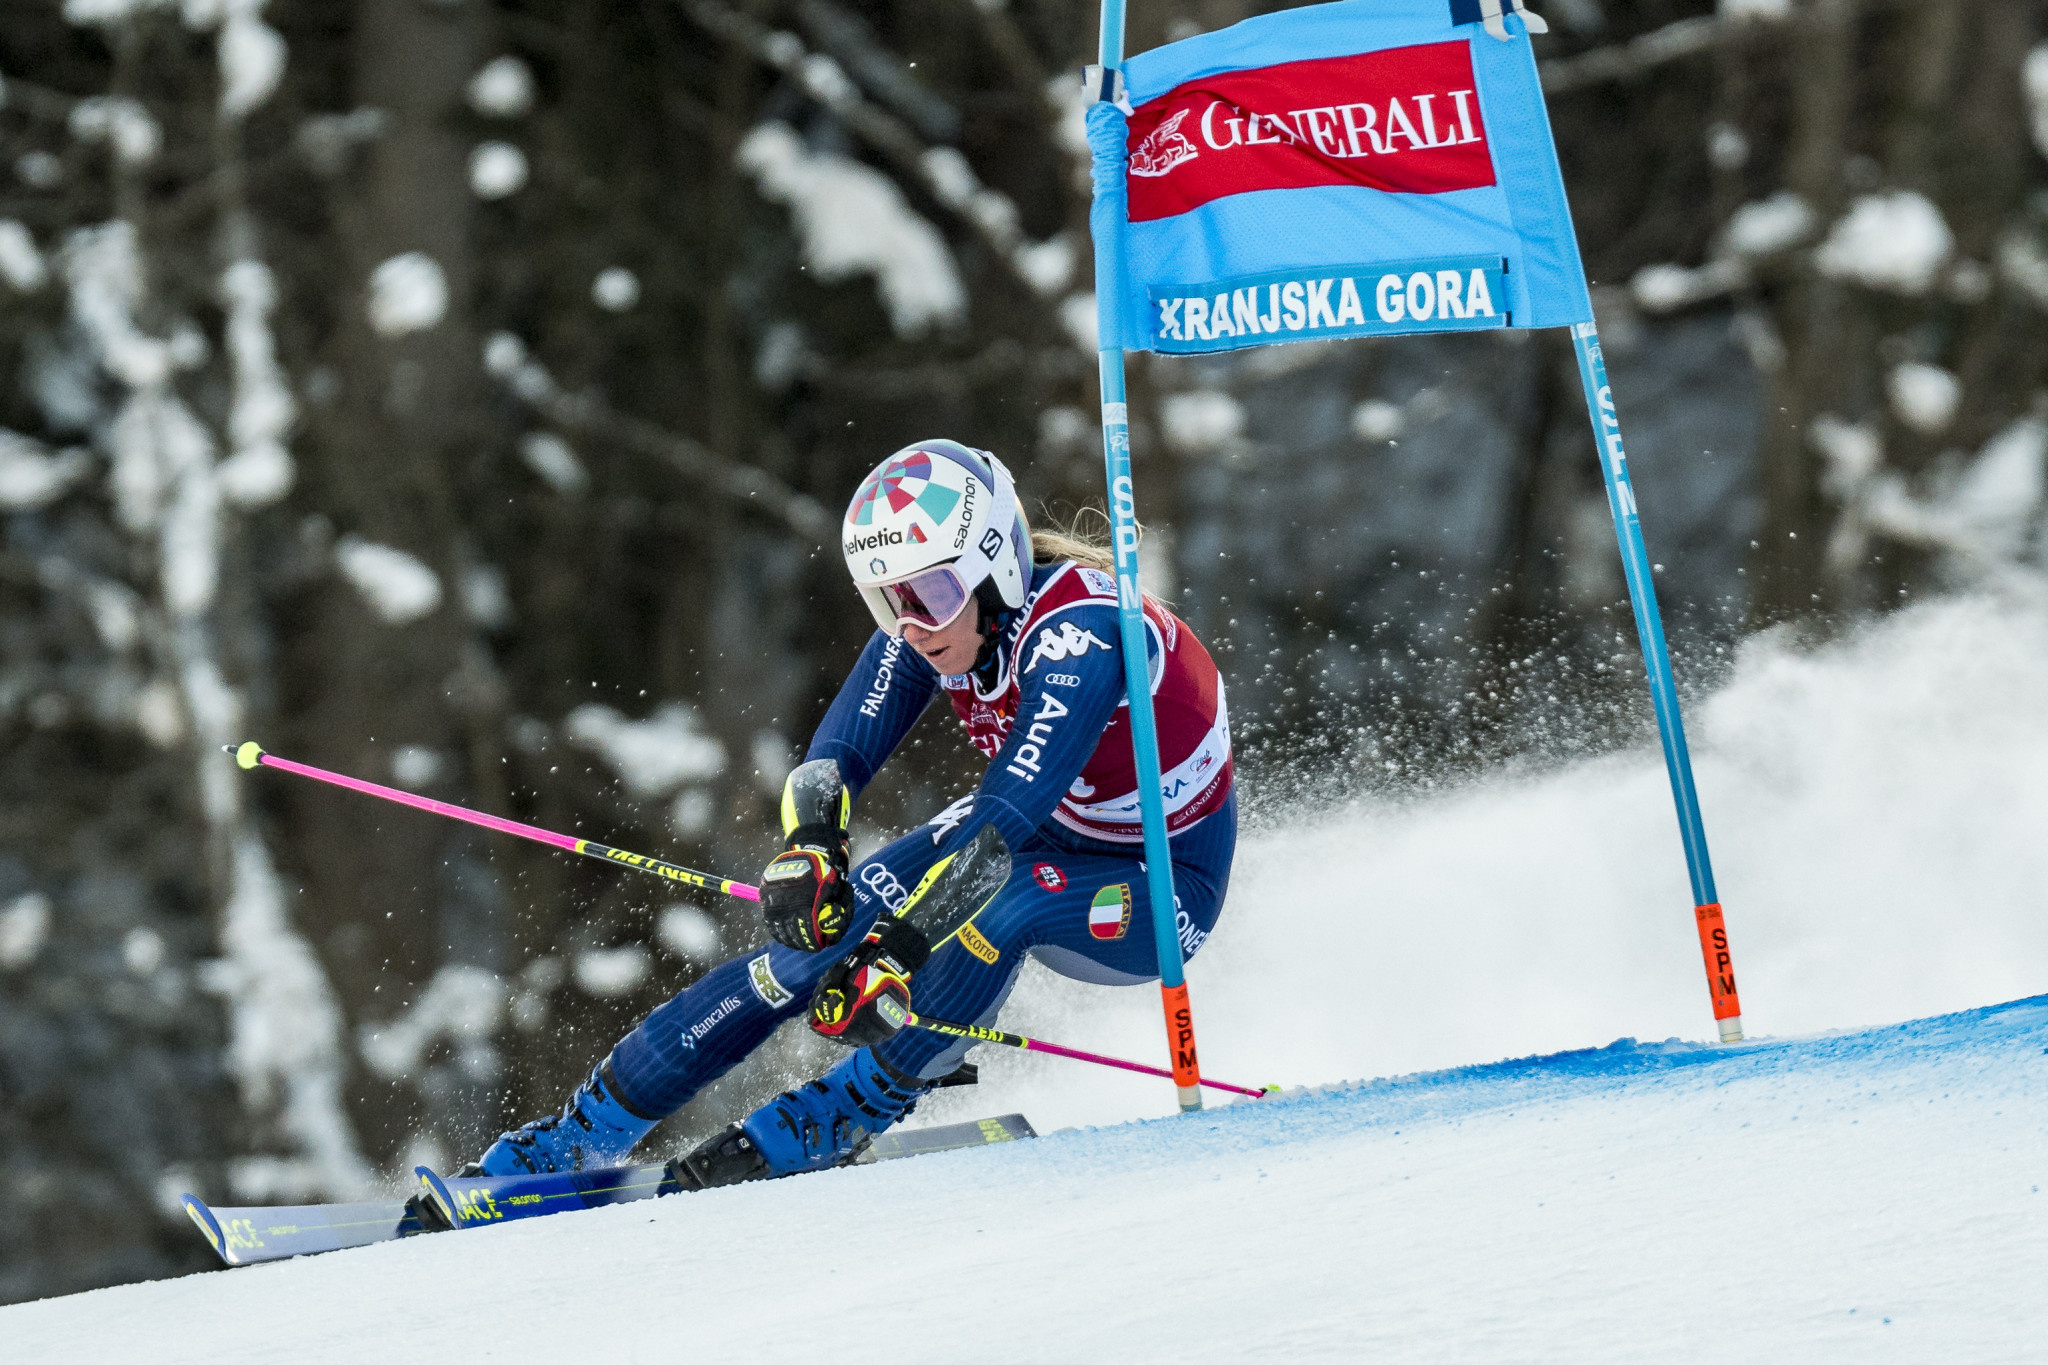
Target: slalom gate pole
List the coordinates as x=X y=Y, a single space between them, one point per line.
x=1642 y=592
x=251 y=755
x=1019 y=1041
x=1107 y=218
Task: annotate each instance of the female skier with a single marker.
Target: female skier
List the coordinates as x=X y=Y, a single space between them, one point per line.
x=1019 y=631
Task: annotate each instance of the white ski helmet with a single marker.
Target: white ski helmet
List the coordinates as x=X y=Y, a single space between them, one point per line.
x=930 y=526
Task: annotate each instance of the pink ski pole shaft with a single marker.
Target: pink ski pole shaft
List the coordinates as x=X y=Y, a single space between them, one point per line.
x=251 y=755
x=1018 y=1040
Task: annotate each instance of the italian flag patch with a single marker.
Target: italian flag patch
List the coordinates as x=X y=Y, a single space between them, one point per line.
x=1109 y=914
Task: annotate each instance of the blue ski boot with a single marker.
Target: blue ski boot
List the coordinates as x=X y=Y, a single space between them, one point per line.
x=826 y=1123
x=594 y=1129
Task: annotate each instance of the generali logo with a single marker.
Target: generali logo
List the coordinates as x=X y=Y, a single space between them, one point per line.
x=1163 y=148
x=1405 y=120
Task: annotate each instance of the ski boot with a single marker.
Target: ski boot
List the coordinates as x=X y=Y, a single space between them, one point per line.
x=594 y=1129
x=826 y=1123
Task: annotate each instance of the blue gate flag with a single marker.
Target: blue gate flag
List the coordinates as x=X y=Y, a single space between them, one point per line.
x=1363 y=168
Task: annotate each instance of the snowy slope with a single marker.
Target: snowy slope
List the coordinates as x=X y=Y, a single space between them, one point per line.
x=1870 y=1197
x=1876 y=809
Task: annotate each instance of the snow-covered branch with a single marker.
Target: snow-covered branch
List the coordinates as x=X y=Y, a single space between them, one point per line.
x=1046 y=267
x=527 y=379
x=1637 y=57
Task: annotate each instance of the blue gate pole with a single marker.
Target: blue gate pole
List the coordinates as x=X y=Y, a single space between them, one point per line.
x=1642 y=593
x=1106 y=86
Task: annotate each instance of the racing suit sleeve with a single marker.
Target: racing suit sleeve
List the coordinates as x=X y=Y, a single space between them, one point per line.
x=882 y=697
x=1065 y=702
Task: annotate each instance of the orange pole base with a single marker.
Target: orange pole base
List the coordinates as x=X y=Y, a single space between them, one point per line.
x=1720 y=971
x=1180 y=1045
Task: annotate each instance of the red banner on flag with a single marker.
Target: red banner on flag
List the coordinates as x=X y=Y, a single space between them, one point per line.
x=1403 y=119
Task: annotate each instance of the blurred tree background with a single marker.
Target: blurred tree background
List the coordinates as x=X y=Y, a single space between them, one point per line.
x=461 y=394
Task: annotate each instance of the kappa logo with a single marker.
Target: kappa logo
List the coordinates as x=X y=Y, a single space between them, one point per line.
x=1163 y=148
x=948 y=820
x=1049 y=877
x=1068 y=642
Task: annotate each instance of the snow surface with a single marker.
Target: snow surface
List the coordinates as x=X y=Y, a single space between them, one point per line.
x=688 y=932
x=1377 y=420
x=284 y=1049
x=1083 y=321
x=1924 y=396
x=1875 y=808
x=463 y=1004
x=1201 y=420
x=2034 y=75
x=1896 y=240
x=1982 y=515
x=397 y=586
x=121 y=122
x=496 y=169
x=607 y=972
x=408 y=293
x=24 y=928
x=21 y=264
x=1866 y=1197
x=1663 y=287
x=615 y=289
x=1853 y=451
x=260 y=471
x=252 y=56
x=1768 y=225
x=30 y=476
x=652 y=757
x=503 y=88
x=853 y=220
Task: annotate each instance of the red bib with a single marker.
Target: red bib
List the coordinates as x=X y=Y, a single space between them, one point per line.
x=1187 y=705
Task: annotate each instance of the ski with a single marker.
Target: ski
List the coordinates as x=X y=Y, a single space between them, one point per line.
x=244 y=1236
x=250 y=1235
x=484 y=1200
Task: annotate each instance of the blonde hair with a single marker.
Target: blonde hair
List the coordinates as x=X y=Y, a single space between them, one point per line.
x=1077 y=540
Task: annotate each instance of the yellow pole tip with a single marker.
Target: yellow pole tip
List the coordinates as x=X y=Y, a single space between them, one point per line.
x=248 y=754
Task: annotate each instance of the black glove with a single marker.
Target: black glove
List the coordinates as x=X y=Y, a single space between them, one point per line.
x=805 y=896
x=866 y=999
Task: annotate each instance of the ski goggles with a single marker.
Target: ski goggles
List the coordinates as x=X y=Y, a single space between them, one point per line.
x=932 y=599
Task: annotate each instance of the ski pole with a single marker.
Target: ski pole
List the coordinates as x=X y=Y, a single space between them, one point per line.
x=251 y=755
x=1019 y=1041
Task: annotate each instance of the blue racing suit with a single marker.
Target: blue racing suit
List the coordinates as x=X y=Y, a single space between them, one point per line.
x=1077 y=903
